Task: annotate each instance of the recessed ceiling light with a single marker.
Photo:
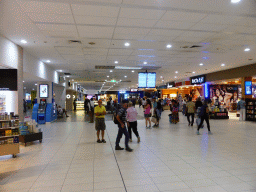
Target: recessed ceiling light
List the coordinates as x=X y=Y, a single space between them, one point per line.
x=111 y=71
x=23 y=81
x=132 y=71
x=235 y=1
x=116 y=62
x=168 y=46
x=59 y=70
x=48 y=61
x=201 y=64
x=162 y=80
x=35 y=84
x=107 y=76
x=105 y=80
x=145 y=63
x=68 y=76
x=175 y=77
x=127 y=44
x=222 y=64
x=161 y=77
x=193 y=72
x=247 y=49
x=176 y=72
x=125 y=76
x=33 y=89
x=23 y=41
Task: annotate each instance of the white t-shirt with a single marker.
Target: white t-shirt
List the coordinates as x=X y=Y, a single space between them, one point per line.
x=143 y=102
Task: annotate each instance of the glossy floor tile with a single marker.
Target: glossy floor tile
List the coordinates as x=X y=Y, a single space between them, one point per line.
x=169 y=158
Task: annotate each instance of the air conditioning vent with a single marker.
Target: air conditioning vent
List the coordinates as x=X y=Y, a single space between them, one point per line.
x=104 y=67
x=196 y=46
x=188 y=72
x=67 y=73
x=74 y=41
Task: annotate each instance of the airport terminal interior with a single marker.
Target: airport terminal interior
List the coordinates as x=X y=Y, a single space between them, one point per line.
x=180 y=74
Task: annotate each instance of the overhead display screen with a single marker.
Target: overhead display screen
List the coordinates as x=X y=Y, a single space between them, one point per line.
x=147 y=80
x=143 y=80
x=151 y=81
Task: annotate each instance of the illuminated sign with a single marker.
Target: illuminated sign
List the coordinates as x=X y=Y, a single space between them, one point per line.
x=206 y=91
x=197 y=80
x=248 y=87
x=170 y=84
x=134 y=90
x=68 y=96
x=43 y=91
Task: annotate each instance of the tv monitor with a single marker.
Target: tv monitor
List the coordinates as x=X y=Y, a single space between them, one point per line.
x=43 y=91
x=8 y=80
x=248 y=87
x=147 y=80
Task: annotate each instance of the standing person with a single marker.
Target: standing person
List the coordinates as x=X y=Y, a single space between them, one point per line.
x=121 y=118
x=159 y=110
x=132 y=121
x=100 y=125
x=91 y=110
x=190 y=110
x=175 y=112
x=154 y=109
x=241 y=107
x=143 y=102
x=147 y=113
x=74 y=103
x=140 y=102
x=204 y=115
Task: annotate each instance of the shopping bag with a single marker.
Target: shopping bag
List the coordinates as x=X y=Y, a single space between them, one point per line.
x=153 y=119
x=198 y=121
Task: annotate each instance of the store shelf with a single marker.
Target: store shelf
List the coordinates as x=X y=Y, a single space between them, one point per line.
x=6 y=137
x=9 y=120
x=9 y=128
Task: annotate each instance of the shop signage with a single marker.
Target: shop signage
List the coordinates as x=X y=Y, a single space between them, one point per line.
x=170 y=84
x=197 y=80
x=134 y=90
x=178 y=84
x=113 y=81
x=122 y=92
x=161 y=87
x=248 y=87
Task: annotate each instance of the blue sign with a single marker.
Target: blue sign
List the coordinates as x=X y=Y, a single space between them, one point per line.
x=142 y=80
x=248 y=87
x=206 y=91
x=151 y=81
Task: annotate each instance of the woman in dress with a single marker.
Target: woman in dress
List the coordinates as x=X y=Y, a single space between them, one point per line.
x=175 y=112
x=147 y=113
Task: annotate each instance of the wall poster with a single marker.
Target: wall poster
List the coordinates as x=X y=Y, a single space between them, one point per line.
x=225 y=94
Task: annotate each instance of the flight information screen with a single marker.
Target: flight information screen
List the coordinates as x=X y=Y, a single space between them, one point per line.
x=151 y=81
x=147 y=80
x=143 y=80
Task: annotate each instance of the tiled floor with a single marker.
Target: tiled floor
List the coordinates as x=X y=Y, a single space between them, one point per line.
x=170 y=158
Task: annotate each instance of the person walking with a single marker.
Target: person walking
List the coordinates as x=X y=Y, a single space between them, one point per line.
x=100 y=125
x=241 y=107
x=190 y=111
x=158 y=113
x=132 y=121
x=204 y=115
x=121 y=118
x=147 y=113
x=198 y=103
x=175 y=112
x=140 y=102
x=154 y=109
x=91 y=110
x=74 y=103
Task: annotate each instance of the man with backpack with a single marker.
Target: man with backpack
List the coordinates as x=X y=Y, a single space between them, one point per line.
x=204 y=115
x=121 y=119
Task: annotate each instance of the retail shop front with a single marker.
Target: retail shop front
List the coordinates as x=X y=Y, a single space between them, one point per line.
x=226 y=88
x=132 y=94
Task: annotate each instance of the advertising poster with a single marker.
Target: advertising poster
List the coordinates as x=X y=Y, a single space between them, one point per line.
x=225 y=94
x=43 y=91
x=253 y=91
x=248 y=87
x=196 y=92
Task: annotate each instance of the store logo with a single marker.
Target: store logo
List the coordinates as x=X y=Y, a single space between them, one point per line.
x=197 y=80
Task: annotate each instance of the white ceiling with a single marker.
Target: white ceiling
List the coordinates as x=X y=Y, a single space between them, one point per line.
x=223 y=30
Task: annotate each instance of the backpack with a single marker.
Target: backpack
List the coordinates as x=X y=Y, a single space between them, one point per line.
x=202 y=111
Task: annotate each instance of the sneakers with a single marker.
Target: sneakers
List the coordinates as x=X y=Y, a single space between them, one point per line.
x=154 y=125
x=209 y=133
x=130 y=140
x=103 y=141
x=119 y=148
x=128 y=149
x=197 y=133
x=138 y=139
x=99 y=141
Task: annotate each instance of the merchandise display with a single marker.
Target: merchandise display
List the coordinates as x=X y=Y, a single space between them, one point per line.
x=250 y=110
x=29 y=131
x=79 y=105
x=9 y=134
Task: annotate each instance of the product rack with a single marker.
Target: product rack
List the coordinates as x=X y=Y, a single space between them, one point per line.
x=250 y=109
x=9 y=148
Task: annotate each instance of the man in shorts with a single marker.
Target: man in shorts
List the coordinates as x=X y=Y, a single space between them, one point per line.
x=100 y=125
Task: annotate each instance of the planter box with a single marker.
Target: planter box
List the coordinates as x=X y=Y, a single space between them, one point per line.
x=31 y=137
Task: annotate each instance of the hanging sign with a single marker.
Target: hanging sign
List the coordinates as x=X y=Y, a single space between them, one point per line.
x=197 y=80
